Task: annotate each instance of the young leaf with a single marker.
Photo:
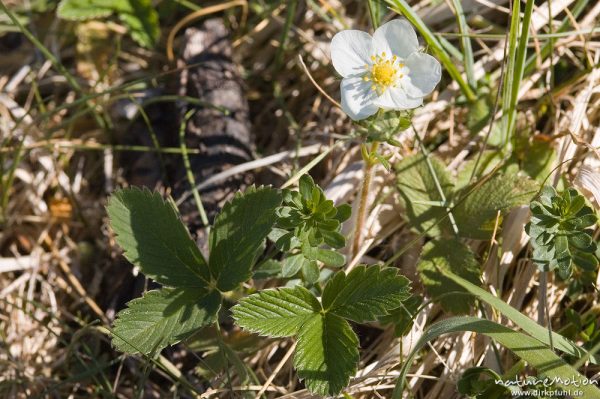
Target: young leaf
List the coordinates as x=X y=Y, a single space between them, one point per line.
x=142 y=20
x=276 y=313
x=452 y=255
x=238 y=233
x=79 y=10
x=365 y=293
x=163 y=317
x=154 y=238
x=327 y=354
x=418 y=190
x=292 y=265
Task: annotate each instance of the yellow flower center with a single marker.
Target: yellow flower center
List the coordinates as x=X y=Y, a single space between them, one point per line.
x=384 y=72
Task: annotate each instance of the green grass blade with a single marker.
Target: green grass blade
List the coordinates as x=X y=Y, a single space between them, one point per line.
x=509 y=75
x=465 y=43
x=525 y=347
x=520 y=60
x=516 y=65
x=402 y=7
x=547 y=47
x=528 y=325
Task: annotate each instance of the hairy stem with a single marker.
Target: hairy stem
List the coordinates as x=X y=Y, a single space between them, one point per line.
x=363 y=199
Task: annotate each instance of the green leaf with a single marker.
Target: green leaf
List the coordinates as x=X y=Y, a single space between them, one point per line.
x=417 y=190
x=344 y=212
x=452 y=255
x=79 y=10
x=327 y=354
x=310 y=272
x=529 y=326
x=471 y=384
x=525 y=347
x=163 y=317
x=365 y=293
x=476 y=215
x=238 y=233
x=142 y=20
x=140 y=17
x=330 y=258
x=306 y=186
x=292 y=265
x=333 y=239
x=154 y=238
x=276 y=312
x=538 y=159
x=267 y=269
x=402 y=317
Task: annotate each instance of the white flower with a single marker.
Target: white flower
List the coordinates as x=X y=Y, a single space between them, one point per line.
x=384 y=71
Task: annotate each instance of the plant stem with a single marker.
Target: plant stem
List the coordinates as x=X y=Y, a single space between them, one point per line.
x=364 y=199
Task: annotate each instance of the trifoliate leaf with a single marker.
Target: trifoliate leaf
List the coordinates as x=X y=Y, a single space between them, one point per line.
x=154 y=238
x=452 y=255
x=418 y=193
x=238 y=233
x=365 y=293
x=163 y=317
x=276 y=312
x=476 y=215
x=327 y=354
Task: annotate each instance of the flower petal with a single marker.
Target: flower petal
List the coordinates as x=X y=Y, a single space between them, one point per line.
x=424 y=74
x=357 y=98
x=396 y=98
x=397 y=36
x=350 y=51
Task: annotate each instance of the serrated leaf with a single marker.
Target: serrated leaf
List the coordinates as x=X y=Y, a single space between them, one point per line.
x=276 y=312
x=79 y=10
x=163 y=317
x=154 y=238
x=238 y=233
x=417 y=189
x=365 y=293
x=476 y=215
x=327 y=354
x=452 y=255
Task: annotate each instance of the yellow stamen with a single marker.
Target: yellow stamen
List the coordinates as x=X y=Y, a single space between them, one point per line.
x=383 y=73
